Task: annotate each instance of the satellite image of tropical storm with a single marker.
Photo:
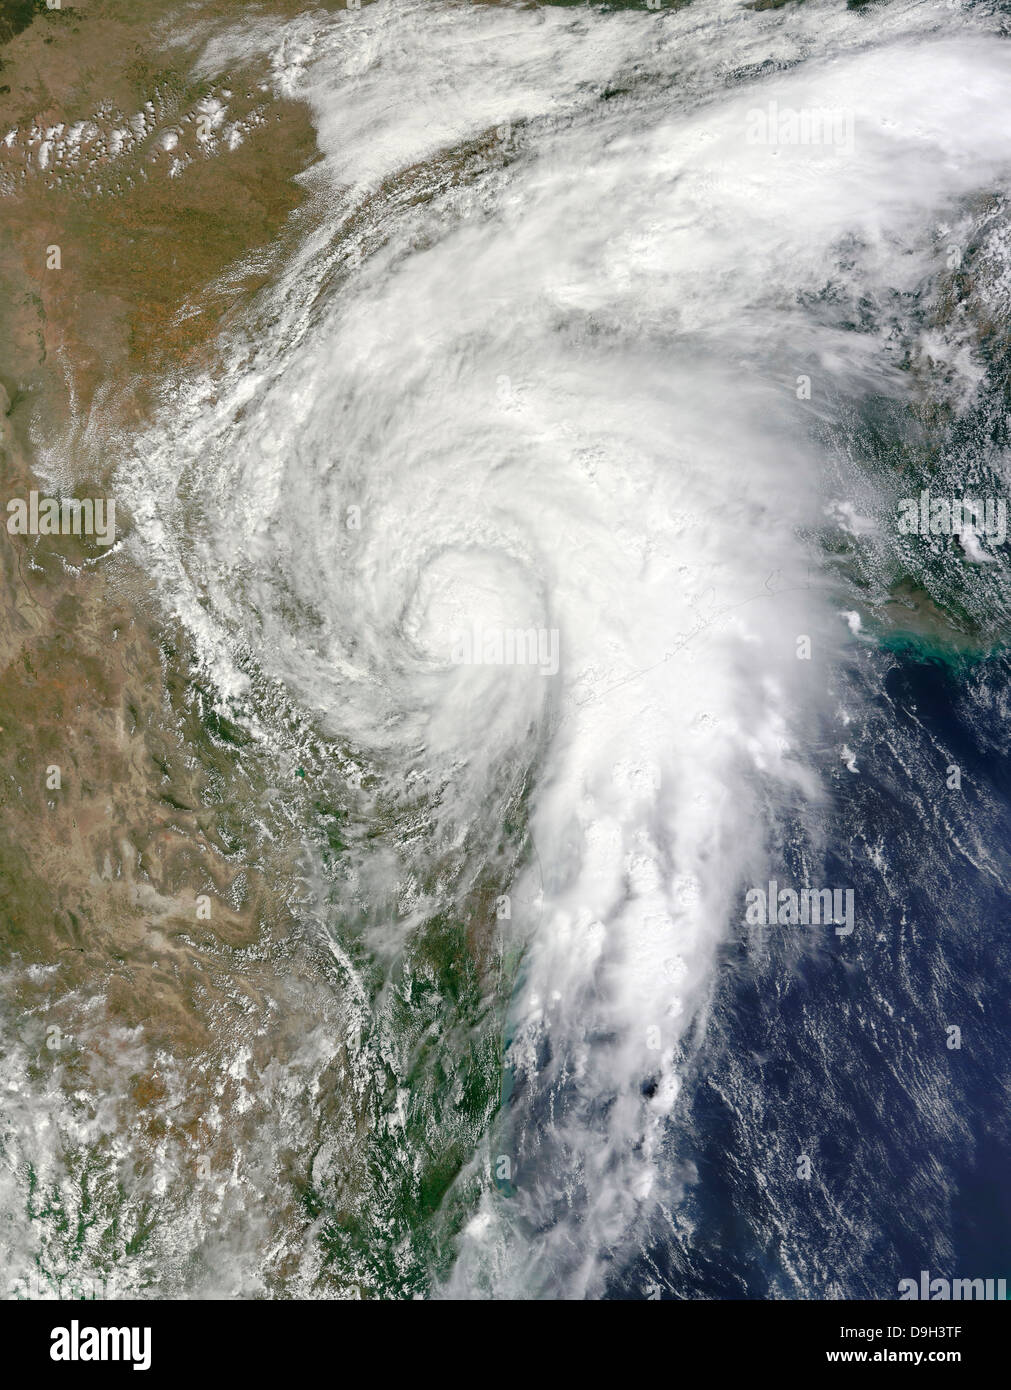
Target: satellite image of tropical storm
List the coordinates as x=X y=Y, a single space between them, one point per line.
x=505 y=658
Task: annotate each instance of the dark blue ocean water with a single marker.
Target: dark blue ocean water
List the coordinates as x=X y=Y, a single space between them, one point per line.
x=837 y=1047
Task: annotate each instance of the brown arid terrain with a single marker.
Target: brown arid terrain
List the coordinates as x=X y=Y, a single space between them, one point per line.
x=127 y=895
x=84 y=680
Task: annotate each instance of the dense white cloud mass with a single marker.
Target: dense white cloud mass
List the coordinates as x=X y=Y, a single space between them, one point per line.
x=546 y=350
